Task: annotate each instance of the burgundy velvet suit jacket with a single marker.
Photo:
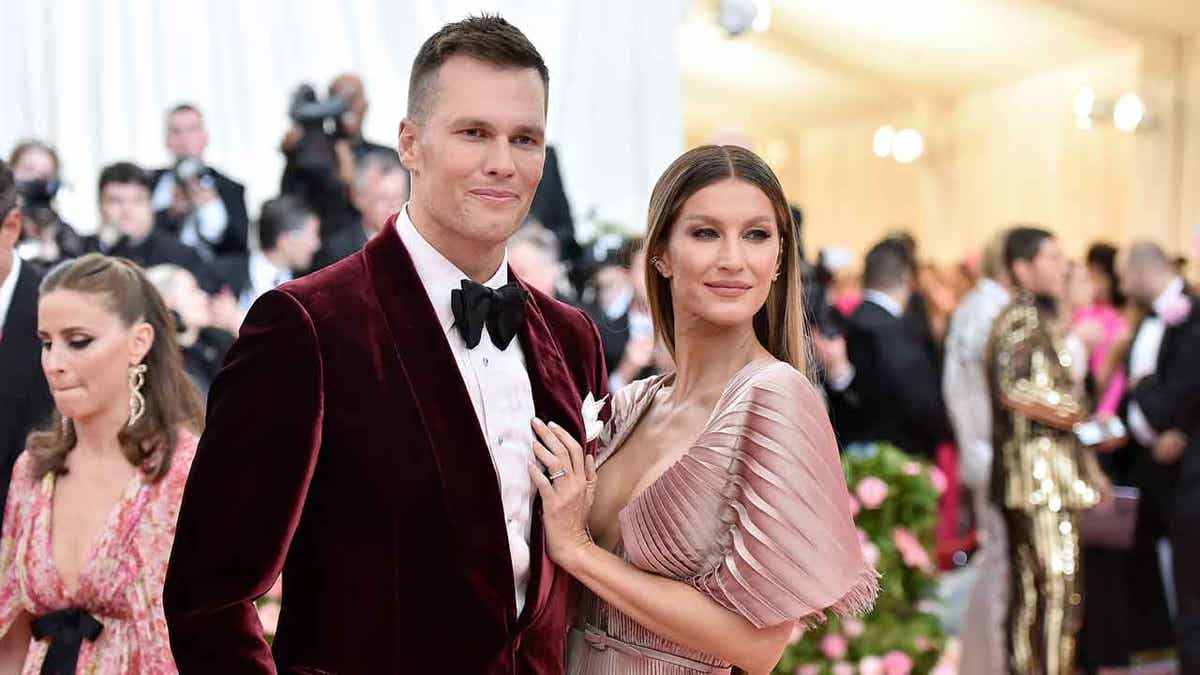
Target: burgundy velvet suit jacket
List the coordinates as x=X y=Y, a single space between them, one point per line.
x=342 y=449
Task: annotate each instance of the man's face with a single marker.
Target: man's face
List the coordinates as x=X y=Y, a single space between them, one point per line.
x=186 y=136
x=126 y=206
x=477 y=158
x=299 y=246
x=381 y=196
x=1046 y=274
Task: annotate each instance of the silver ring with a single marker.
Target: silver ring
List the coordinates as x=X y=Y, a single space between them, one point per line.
x=557 y=474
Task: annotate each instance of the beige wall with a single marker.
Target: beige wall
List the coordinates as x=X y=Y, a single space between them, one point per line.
x=1008 y=155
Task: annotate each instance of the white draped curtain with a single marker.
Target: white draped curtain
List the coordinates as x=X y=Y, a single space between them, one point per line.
x=95 y=77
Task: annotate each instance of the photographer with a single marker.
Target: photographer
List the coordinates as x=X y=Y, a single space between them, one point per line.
x=205 y=326
x=322 y=148
x=202 y=207
x=45 y=238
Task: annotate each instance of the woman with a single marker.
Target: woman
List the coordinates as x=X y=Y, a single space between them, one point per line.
x=91 y=509
x=715 y=517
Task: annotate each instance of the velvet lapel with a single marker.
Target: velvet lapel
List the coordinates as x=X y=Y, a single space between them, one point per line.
x=555 y=399
x=469 y=482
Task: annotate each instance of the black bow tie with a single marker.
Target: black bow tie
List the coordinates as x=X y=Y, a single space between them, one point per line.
x=501 y=309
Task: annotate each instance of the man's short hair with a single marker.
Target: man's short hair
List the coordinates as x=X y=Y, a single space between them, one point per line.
x=124 y=173
x=1023 y=243
x=539 y=237
x=887 y=265
x=184 y=107
x=278 y=217
x=8 y=191
x=1149 y=255
x=488 y=38
x=384 y=163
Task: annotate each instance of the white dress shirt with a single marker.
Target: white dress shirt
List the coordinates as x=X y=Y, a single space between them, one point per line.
x=7 y=289
x=1143 y=359
x=264 y=276
x=500 y=391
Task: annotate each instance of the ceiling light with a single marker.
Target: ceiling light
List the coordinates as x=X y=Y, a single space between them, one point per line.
x=908 y=146
x=1129 y=112
x=882 y=143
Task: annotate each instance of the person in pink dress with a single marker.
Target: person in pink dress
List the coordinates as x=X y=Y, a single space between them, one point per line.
x=714 y=520
x=91 y=509
x=1097 y=320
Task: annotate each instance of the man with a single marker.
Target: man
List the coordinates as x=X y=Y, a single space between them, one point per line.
x=1042 y=478
x=205 y=326
x=883 y=383
x=127 y=226
x=370 y=433
x=380 y=190
x=195 y=202
x=968 y=402
x=287 y=241
x=533 y=254
x=25 y=401
x=1163 y=413
x=324 y=179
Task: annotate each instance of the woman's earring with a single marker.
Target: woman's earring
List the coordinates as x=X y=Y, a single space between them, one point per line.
x=66 y=425
x=137 y=402
x=775 y=276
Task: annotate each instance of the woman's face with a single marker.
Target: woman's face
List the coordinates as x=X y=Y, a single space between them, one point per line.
x=87 y=352
x=34 y=164
x=721 y=254
x=1103 y=290
x=1080 y=290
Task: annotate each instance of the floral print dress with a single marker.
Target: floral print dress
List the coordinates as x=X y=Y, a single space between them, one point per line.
x=120 y=582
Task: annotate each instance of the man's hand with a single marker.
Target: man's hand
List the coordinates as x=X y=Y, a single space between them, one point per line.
x=224 y=312
x=201 y=194
x=831 y=355
x=1170 y=447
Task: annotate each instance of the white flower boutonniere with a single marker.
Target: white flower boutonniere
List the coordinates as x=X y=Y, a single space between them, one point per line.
x=592 y=426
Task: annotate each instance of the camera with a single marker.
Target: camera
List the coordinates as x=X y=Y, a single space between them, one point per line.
x=311 y=113
x=318 y=121
x=189 y=170
x=36 y=195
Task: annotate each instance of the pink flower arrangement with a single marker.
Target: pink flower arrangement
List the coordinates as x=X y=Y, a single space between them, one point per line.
x=809 y=669
x=922 y=644
x=871 y=491
x=268 y=616
x=855 y=507
x=897 y=663
x=276 y=592
x=911 y=469
x=870 y=554
x=938 y=479
x=834 y=647
x=911 y=550
x=871 y=665
x=843 y=668
x=853 y=627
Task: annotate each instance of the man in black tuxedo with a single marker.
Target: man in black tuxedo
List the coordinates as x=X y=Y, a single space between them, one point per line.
x=1163 y=413
x=324 y=179
x=203 y=207
x=287 y=241
x=127 y=226
x=24 y=397
x=882 y=382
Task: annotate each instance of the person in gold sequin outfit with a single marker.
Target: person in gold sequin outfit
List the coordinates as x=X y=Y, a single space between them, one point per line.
x=1042 y=477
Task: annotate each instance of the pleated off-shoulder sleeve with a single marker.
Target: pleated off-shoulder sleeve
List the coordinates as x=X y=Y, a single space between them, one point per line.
x=787 y=549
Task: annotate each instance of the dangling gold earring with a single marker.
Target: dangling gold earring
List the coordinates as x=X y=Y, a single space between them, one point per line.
x=137 y=402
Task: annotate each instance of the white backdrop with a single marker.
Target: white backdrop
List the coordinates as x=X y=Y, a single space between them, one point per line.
x=94 y=78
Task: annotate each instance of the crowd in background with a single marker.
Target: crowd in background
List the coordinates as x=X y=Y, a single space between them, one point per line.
x=899 y=348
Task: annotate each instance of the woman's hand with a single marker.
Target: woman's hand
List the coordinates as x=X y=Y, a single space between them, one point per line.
x=566 y=480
